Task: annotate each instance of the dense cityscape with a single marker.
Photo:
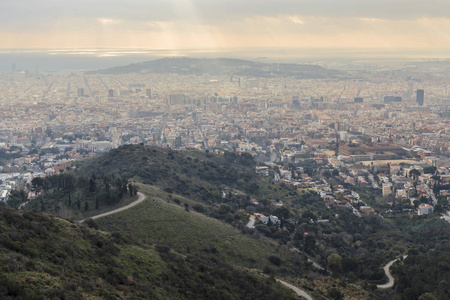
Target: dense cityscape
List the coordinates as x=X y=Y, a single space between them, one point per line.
x=226 y=150
x=370 y=128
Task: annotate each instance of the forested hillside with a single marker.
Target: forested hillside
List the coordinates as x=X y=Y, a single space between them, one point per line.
x=44 y=257
x=199 y=203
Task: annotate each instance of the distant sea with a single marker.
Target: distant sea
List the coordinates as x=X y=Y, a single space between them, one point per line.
x=68 y=60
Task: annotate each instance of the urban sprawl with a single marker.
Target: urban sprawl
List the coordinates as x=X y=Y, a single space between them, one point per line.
x=386 y=131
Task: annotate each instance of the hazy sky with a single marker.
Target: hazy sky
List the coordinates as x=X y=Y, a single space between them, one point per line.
x=216 y=24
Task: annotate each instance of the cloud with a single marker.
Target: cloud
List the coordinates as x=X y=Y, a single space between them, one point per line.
x=295 y=20
x=106 y=21
x=231 y=23
x=217 y=10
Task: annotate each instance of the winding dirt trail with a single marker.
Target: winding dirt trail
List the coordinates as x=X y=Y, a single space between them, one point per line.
x=391 y=281
x=141 y=198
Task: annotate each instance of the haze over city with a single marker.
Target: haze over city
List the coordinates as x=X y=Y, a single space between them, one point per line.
x=193 y=149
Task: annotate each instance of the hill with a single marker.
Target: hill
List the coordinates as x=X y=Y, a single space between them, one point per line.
x=221 y=66
x=221 y=185
x=44 y=257
x=158 y=221
x=194 y=197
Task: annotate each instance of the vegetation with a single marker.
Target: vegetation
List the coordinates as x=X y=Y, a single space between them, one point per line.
x=157 y=221
x=73 y=195
x=42 y=257
x=424 y=273
x=198 y=204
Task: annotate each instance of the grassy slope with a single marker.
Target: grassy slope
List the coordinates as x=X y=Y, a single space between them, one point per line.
x=157 y=221
x=43 y=257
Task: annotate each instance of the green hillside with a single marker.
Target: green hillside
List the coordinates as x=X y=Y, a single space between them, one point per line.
x=198 y=204
x=190 y=173
x=44 y=257
x=222 y=185
x=158 y=221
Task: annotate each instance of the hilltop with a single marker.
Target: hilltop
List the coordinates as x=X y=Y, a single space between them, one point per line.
x=221 y=66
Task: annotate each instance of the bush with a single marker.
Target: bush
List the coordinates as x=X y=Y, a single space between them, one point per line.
x=275 y=260
x=334 y=294
x=199 y=208
x=91 y=223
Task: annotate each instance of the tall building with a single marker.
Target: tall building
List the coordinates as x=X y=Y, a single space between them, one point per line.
x=148 y=93
x=110 y=93
x=177 y=99
x=387 y=189
x=80 y=92
x=420 y=97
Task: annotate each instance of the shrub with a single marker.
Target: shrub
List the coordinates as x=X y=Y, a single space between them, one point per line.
x=91 y=223
x=275 y=260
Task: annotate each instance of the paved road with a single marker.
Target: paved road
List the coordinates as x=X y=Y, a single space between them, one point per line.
x=141 y=198
x=316 y=265
x=251 y=222
x=298 y=291
x=391 y=281
x=23 y=204
x=446 y=216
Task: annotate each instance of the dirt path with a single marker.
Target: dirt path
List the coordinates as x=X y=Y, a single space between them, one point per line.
x=141 y=198
x=298 y=291
x=391 y=281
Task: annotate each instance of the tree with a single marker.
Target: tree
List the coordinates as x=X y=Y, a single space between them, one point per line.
x=427 y=296
x=310 y=243
x=282 y=212
x=37 y=182
x=275 y=260
x=334 y=294
x=429 y=170
x=86 y=206
x=327 y=174
x=335 y=172
x=92 y=185
x=413 y=173
x=334 y=262
x=442 y=204
x=130 y=189
x=309 y=215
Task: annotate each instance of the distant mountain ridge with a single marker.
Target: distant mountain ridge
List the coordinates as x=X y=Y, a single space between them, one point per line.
x=221 y=66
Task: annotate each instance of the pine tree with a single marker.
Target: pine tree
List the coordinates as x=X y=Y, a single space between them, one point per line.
x=130 y=189
x=86 y=206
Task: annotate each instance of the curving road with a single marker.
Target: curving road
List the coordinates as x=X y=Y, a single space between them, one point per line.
x=298 y=291
x=391 y=281
x=141 y=198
